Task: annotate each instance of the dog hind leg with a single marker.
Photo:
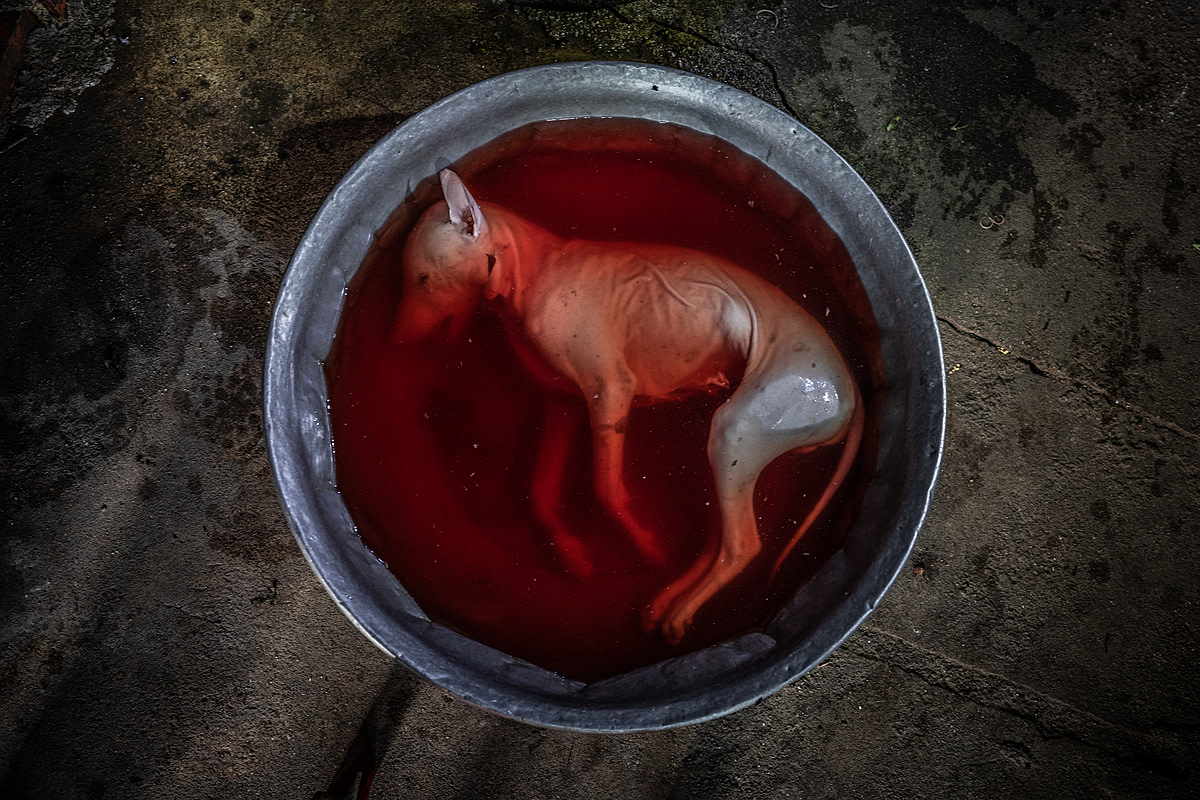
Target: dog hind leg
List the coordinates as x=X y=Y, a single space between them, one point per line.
x=745 y=436
x=737 y=454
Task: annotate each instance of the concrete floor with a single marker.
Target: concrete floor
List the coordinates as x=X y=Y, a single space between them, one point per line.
x=160 y=633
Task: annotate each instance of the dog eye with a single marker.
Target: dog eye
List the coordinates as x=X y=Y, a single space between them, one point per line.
x=491 y=263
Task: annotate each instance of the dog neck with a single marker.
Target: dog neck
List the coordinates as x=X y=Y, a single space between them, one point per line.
x=521 y=249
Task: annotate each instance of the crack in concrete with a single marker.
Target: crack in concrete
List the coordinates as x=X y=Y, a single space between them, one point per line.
x=1053 y=718
x=1049 y=371
x=211 y=619
x=708 y=41
x=754 y=58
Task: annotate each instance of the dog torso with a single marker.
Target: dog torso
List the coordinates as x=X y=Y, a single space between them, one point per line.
x=669 y=318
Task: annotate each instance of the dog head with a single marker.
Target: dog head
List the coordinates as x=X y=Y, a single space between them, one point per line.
x=446 y=263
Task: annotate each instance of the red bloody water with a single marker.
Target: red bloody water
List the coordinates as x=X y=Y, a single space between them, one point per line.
x=436 y=443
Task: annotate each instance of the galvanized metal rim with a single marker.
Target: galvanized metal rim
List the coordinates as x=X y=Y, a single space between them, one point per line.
x=297 y=427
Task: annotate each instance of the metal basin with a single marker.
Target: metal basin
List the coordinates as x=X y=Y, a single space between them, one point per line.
x=683 y=690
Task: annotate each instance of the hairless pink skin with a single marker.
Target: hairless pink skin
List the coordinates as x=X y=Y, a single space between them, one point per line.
x=626 y=321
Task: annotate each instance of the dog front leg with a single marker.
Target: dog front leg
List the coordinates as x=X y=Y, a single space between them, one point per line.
x=609 y=409
x=563 y=420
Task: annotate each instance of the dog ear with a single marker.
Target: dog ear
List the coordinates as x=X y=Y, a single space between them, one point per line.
x=463 y=208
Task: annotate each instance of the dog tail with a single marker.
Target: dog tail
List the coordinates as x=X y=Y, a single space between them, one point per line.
x=853 y=433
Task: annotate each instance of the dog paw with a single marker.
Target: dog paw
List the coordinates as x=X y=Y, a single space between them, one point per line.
x=572 y=555
x=666 y=618
x=675 y=627
x=646 y=542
